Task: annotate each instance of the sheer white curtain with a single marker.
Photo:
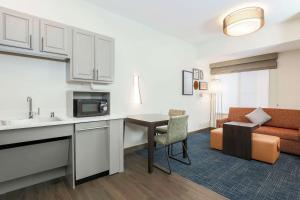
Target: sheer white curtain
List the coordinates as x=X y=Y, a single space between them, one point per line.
x=244 y=89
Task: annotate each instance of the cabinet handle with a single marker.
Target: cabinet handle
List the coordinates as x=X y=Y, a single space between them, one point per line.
x=30 y=41
x=94 y=74
x=89 y=129
x=97 y=74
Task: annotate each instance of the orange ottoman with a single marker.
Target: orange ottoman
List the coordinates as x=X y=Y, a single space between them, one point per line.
x=265 y=148
x=216 y=139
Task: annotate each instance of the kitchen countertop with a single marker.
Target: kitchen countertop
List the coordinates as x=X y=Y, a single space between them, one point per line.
x=62 y=121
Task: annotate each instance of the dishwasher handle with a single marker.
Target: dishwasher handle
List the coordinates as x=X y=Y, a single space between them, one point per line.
x=94 y=128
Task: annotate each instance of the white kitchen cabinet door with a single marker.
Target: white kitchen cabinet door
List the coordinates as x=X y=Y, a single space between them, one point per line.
x=104 y=58
x=83 y=55
x=16 y=29
x=116 y=146
x=91 y=147
x=54 y=37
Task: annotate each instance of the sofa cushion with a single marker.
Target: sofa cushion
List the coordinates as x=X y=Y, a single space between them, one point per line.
x=258 y=116
x=283 y=133
x=283 y=118
x=239 y=114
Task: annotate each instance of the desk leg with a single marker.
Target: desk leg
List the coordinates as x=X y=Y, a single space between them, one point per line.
x=184 y=142
x=124 y=124
x=151 y=131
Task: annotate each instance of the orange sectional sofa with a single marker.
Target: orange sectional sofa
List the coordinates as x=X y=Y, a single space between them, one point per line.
x=284 y=124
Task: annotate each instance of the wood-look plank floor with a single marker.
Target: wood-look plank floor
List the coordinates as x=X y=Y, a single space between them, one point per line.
x=134 y=184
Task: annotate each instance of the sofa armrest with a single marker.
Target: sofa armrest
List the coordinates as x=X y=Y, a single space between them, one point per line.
x=220 y=122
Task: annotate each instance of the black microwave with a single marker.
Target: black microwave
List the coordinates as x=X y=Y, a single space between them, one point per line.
x=90 y=107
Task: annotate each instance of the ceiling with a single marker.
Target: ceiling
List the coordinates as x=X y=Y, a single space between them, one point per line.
x=195 y=21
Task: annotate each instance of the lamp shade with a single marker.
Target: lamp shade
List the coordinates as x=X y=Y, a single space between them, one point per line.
x=244 y=21
x=215 y=86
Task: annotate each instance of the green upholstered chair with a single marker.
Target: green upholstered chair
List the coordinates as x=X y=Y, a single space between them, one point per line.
x=176 y=132
x=172 y=113
x=164 y=129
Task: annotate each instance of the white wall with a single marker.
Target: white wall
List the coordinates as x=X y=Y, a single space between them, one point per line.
x=285 y=81
x=156 y=57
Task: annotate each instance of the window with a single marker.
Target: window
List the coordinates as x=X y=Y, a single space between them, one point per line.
x=244 y=89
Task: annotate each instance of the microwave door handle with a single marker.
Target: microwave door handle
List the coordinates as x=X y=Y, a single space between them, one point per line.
x=79 y=107
x=99 y=107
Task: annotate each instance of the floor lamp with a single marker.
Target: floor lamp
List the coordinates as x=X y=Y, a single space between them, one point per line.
x=216 y=107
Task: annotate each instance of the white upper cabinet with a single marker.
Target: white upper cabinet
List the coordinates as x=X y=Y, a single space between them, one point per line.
x=16 y=29
x=54 y=37
x=83 y=55
x=89 y=56
x=104 y=58
x=92 y=58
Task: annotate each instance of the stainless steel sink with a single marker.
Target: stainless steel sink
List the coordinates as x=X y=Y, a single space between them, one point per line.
x=20 y=122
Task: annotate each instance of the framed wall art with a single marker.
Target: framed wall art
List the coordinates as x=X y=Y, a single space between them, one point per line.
x=196 y=85
x=187 y=82
x=203 y=86
x=196 y=74
x=201 y=75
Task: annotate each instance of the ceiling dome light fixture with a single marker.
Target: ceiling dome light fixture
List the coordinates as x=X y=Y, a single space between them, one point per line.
x=244 y=21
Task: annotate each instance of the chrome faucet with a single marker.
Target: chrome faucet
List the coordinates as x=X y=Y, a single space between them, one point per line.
x=31 y=113
x=52 y=114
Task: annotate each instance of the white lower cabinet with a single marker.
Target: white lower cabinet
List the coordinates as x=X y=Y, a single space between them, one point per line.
x=78 y=152
x=98 y=149
x=92 y=149
x=116 y=146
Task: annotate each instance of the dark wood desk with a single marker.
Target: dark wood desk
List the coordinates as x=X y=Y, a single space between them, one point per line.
x=237 y=139
x=151 y=121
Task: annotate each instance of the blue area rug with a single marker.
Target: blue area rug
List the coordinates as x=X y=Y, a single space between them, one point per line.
x=236 y=178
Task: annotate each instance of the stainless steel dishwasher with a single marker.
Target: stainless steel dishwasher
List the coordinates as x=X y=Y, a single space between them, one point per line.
x=91 y=150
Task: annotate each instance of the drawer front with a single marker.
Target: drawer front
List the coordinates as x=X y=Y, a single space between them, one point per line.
x=31 y=159
x=91 y=125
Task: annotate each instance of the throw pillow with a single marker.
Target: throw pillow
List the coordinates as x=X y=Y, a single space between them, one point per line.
x=258 y=116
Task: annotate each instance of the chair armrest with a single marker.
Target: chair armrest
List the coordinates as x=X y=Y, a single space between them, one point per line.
x=220 y=122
